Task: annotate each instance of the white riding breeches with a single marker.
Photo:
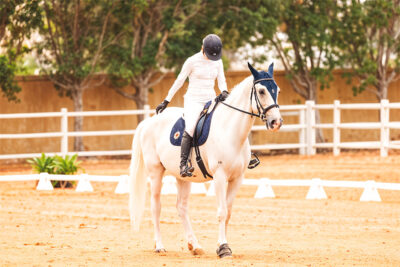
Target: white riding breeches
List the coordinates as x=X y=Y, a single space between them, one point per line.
x=191 y=113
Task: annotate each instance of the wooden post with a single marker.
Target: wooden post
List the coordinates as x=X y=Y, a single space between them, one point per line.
x=147 y=111
x=336 y=128
x=310 y=130
x=64 y=130
x=302 y=134
x=385 y=132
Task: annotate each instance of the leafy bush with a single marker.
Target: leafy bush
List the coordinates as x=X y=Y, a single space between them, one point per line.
x=67 y=165
x=57 y=165
x=43 y=164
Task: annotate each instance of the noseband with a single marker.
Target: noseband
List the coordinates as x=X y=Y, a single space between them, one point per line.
x=261 y=111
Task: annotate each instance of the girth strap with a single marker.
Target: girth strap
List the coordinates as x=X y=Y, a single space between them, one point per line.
x=199 y=160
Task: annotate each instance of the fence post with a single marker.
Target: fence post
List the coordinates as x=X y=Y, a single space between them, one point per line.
x=336 y=129
x=310 y=130
x=147 y=111
x=302 y=134
x=64 y=131
x=385 y=134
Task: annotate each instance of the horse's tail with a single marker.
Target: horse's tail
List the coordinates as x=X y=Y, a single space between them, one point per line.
x=137 y=181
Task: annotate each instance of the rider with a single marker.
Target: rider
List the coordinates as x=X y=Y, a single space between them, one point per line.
x=202 y=68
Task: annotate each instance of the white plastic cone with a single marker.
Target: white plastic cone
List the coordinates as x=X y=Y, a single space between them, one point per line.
x=122 y=187
x=211 y=190
x=264 y=189
x=84 y=184
x=370 y=192
x=169 y=186
x=316 y=190
x=44 y=182
x=198 y=188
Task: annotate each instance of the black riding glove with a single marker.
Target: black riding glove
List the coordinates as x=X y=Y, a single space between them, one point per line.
x=222 y=96
x=162 y=106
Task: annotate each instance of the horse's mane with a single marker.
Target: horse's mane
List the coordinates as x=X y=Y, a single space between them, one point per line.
x=238 y=88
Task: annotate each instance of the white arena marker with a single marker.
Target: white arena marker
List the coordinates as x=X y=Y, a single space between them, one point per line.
x=198 y=188
x=84 y=184
x=370 y=192
x=211 y=190
x=169 y=186
x=264 y=189
x=122 y=187
x=44 y=182
x=316 y=190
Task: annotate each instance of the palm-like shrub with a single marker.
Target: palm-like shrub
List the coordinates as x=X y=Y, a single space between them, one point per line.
x=43 y=164
x=67 y=165
x=57 y=165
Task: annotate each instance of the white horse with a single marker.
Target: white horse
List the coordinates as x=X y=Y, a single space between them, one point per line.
x=226 y=155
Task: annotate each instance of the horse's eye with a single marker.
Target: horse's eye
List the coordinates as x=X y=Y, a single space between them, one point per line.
x=262 y=92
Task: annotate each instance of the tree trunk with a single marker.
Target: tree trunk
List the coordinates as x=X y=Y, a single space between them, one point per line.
x=77 y=97
x=384 y=91
x=141 y=100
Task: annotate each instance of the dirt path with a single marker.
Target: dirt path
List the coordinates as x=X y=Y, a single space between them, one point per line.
x=66 y=228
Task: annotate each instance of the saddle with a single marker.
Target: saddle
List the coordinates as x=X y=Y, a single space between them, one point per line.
x=200 y=137
x=200 y=134
x=202 y=128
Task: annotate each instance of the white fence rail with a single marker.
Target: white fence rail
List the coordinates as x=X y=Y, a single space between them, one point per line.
x=264 y=185
x=306 y=127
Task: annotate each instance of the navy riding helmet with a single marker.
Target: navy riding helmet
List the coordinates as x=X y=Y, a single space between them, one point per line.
x=212 y=47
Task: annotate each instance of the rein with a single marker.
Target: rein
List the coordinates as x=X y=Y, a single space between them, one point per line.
x=261 y=111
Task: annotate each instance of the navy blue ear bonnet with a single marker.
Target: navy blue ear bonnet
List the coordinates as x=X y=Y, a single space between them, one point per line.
x=269 y=84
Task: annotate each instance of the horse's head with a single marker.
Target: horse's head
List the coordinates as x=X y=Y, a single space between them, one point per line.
x=265 y=98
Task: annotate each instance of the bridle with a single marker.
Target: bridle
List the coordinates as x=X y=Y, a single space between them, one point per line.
x=261 y=111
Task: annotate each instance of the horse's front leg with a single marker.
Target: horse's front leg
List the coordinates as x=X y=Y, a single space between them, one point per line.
x=233 y=187
x=182 y=207
x=220 y=183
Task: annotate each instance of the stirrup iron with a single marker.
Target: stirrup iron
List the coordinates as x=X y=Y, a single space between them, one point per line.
x=253 y=162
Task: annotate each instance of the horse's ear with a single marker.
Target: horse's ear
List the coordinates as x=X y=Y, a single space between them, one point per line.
x=253 y=70
x=271 y=70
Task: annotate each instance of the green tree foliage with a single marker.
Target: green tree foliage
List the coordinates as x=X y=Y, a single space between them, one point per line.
x=157 y=35
x=18 y=19
x=300 y=32
x=369 y=38
x=75 y=35
x=303 y=42
x=9 y=86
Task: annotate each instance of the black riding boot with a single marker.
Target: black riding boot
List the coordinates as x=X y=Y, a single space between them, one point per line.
x=185 y=150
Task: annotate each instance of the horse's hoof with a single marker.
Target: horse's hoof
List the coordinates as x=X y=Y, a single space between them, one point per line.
x=224 y=251
x=160 y=250
x=198 y=251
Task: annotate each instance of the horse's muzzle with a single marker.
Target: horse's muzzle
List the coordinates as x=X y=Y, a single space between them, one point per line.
x=274 y=124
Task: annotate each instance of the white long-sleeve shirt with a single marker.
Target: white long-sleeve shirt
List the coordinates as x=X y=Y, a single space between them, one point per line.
x=202 y=74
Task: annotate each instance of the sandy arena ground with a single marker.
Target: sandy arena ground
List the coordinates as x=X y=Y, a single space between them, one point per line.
x=66 y=228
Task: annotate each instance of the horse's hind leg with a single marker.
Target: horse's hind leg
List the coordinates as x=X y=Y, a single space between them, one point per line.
x=156 y=185
x=182 y=207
